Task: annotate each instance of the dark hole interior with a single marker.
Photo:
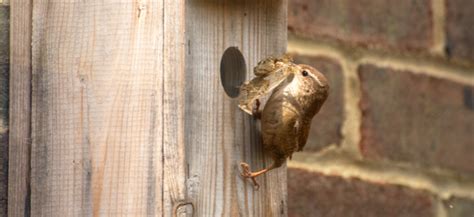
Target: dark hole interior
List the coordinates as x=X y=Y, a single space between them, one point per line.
x=233 y=70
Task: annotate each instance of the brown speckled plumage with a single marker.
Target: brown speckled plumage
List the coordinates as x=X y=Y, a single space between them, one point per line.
x=286 y=117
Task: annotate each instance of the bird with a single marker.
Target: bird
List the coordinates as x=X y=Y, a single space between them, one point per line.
x=298 y=92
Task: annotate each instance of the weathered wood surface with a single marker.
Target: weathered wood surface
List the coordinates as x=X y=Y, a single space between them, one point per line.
x=20 y=109
x=128 y=115
x=218 y=135
x=107 y=108
x=4 y=69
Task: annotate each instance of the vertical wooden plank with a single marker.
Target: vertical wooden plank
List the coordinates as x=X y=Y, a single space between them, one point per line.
x=4 y=70
x=219 y=136
x=173 y=106
x=107 y=108
x=20 y=109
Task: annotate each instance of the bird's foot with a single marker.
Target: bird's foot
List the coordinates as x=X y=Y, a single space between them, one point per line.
x=246 y=173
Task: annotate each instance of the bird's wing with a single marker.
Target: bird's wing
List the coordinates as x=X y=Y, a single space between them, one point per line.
x=263 y=85
x=272 y=64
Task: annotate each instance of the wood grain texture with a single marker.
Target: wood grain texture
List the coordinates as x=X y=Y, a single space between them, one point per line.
x=218 y=135
x=113 y=112
x=20 y=109
x=107 y=108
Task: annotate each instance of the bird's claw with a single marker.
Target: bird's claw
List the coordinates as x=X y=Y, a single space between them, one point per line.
x=245 y=170
x=247 y=174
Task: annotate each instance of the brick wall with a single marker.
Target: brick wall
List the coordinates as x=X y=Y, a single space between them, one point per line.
x=396 y=136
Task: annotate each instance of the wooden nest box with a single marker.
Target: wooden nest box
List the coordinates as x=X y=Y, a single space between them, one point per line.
x=128 y=108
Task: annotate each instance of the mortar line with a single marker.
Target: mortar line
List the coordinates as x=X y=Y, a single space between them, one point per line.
x=441 y=183
x=440 y=210
x=353 y=115
x=359 y=56
x=3 y=126
x=439 y=21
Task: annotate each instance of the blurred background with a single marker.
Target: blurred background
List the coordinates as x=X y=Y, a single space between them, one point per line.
x=4 y=65
x=396 y=136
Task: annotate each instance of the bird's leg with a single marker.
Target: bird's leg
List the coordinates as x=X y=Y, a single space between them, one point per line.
x=248 y=174
x=256 y=113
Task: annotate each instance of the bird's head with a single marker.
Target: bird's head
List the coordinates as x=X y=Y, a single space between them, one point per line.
x=312 y=89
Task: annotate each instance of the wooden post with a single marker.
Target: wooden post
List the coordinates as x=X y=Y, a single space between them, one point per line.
x=19 y=190
x=219 y=135
x=128 y=114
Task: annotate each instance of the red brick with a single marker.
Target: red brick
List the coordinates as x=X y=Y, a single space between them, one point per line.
x=459 y=207
x=3 y=138
x=403 y=24
x=4 y=66
x=313 y=194
x=4 y=92
x=416 y=118
x=327 y=124
x=3 y=172
x=4 y=34
x=460 y=29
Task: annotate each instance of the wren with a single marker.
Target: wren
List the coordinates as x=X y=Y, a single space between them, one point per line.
x=297 y=93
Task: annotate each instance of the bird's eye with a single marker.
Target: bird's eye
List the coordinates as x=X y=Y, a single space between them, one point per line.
x=305 y=73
